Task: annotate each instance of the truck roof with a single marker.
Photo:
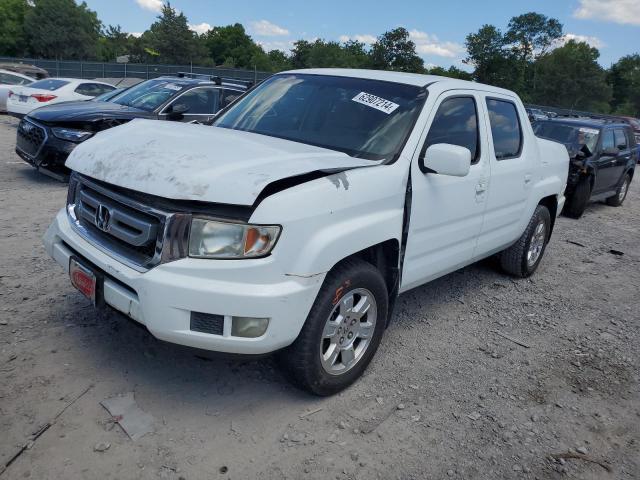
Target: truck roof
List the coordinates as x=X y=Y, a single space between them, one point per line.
x=416 y=79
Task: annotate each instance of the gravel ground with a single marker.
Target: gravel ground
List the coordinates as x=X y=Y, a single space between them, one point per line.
x=445 y=397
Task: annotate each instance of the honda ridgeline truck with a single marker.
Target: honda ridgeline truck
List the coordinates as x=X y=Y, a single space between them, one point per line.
x=295 y=220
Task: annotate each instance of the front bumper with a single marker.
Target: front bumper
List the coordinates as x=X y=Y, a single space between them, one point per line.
x=52 y=154
x=163 y=297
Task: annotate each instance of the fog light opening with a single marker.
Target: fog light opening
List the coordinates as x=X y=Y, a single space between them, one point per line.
x=248 y=327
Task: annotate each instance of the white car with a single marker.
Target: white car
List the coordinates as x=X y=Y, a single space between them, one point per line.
x=48 y=91
x=294 y=222
x=9 y=80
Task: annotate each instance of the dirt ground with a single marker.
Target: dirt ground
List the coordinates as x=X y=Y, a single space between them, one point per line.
x=445 y=397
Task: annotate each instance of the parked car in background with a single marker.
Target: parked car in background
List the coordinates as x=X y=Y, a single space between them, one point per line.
x=8 y=80
x=25 y=69
x=46 y=136
x=535 y=114
x=294 y=221
x=48 y=91
x=603 y=159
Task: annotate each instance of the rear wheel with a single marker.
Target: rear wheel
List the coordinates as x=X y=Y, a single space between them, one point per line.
x=523 y=257
x=342 y=332
x=621 y=193
x=578 y=200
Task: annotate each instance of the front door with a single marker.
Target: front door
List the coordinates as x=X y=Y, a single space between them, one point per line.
x=446 y=211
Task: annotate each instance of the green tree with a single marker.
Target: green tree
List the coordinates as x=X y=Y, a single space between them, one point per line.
x=61 y=29
x=12 y=39
x=532 y=34
x=570 y=77
x=171 y=37
x=624 y=78
x=452 y=72
x=232 y=46
x=493 y=63
x=114 y=43
x=278 y=61
x=394 y=50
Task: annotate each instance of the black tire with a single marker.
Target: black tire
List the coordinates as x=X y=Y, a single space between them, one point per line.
x=301 y=360
x=618 y=199
x=514 y=260
x=578 y=200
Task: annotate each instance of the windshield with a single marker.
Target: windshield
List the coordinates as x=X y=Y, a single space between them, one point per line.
x=582 y=137
x=107 y=96
x=148 y=95
x=368 y=119
x=49 y=84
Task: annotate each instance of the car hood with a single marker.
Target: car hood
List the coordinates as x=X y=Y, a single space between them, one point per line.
x=199 y=162
x=85 y=111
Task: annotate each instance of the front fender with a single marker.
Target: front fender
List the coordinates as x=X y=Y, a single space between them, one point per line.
x=330 y=218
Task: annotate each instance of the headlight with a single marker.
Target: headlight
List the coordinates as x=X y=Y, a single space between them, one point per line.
x=71 y=134
x=213 y=239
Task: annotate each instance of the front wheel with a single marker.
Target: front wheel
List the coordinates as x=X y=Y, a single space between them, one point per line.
x=523 y=257
x=342 y=332
x=617 y=199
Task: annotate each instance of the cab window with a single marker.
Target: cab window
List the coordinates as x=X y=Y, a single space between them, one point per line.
x=621 y=139
x=505 y=128
x=456 y=123
x=200 y=101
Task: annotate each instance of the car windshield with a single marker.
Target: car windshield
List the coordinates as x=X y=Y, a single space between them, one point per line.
x=148 y=95
x=578 y=136
x=107 y=96
x=364 y=118
x=50 y=84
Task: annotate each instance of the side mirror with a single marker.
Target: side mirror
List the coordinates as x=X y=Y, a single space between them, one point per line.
x=611 y=151
x=176 y=112
x=446 y=159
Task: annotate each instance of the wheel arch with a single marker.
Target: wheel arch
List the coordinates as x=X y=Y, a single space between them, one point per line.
x=551 y=202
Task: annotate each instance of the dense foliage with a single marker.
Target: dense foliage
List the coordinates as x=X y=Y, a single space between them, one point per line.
x=530 y=56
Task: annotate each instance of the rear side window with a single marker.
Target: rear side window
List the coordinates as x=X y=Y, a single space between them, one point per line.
x=49 y=84
x=8 y=79
x=456 y=122
x=621 y=139
x=505 y=128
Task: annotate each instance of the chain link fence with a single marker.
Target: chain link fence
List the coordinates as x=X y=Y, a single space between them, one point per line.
x=91 y=70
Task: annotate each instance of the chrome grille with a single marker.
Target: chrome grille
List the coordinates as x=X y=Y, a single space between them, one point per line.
x=30 y=138
x=134 y=233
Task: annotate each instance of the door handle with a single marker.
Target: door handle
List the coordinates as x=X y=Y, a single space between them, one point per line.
x=481 y=187
x=527 y=179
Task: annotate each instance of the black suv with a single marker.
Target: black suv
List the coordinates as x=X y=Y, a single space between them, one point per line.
x=603 y=159
x=47 y=135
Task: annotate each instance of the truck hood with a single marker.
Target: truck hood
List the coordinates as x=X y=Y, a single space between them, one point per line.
x=199 y=162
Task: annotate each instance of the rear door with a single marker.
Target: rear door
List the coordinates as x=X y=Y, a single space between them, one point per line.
x=446 y=211
x=512 y=161
x=624 y=146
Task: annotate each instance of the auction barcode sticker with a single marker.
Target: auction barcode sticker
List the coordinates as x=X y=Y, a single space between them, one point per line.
x=378 y=103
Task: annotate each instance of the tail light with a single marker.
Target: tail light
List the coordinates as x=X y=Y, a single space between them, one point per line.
x=43 y=97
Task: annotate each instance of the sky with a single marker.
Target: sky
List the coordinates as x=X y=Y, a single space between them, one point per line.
x=438 y=28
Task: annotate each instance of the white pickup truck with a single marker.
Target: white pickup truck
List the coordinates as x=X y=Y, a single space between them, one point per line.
x=293 y=223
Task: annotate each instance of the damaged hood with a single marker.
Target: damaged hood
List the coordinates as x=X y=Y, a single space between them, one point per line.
x=198 y=162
